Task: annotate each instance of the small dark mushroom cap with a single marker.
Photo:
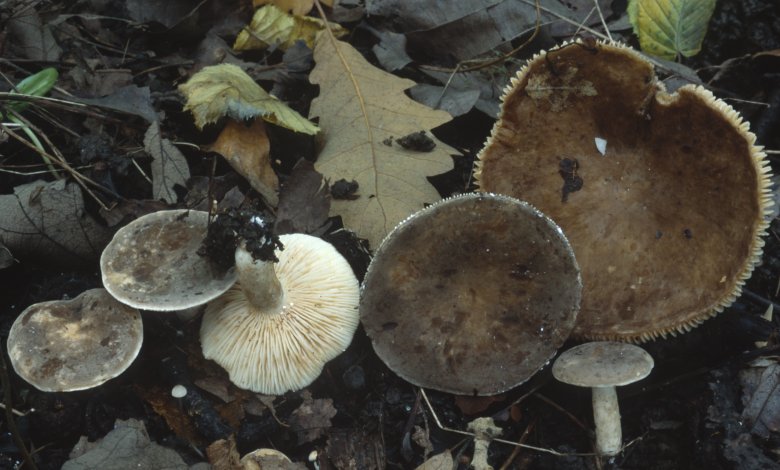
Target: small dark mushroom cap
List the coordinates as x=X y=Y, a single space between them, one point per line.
x=602 y=364
x=67 y=345
x=153 y=263
x=471 y=295
x=667 y=223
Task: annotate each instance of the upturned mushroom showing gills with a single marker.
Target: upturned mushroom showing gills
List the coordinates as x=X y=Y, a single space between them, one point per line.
x=68 y=345
x=471 y=295
x=663 y=196
x=293 y=309
x=153 y=263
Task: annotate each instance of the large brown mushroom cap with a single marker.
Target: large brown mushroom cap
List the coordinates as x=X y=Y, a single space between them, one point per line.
x=153 y=263
x=285 y=349
x=666 y=224
x=471 y=295
x=67 y=345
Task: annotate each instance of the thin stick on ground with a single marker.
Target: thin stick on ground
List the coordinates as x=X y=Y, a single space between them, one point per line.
x=503 y=441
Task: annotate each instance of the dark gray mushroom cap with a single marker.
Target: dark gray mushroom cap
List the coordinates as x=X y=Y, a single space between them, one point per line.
x=67 y=345
x=152 y=263
x=471 y=295
x=603 y=364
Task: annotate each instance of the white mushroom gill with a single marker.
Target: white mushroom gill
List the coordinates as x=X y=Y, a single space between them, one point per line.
x=274 y=339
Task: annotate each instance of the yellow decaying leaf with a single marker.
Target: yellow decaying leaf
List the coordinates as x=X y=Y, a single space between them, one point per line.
x=226 y=90
x=296 y=7
x=247 y=149
x=272 y=26
x=362 y=109
x=667 y=28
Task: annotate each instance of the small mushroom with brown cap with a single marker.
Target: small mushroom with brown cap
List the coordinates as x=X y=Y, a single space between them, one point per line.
x=68 y=345
x=663 y=196
x=602 y=366
x=291 y=311
x=153 y=263
x=471 y=295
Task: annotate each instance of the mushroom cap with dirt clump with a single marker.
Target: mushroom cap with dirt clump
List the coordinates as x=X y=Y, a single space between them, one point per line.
x=471 y=295
x=68 y=345
x=153 y=263
x=663 y=196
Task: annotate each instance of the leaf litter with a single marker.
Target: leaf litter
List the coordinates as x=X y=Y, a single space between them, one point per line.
x=363 y=423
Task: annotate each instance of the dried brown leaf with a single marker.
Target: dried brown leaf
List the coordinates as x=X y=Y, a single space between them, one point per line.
x=312 y=418
x=48 y=221
x=223 y=455
x=247 y=149
x=304 y=201
x=169 y=167
x=362 y=109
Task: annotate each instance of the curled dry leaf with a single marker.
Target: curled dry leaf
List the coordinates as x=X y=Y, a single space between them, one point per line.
x=48 y=221
x=360 y=107
x=247 y=149
x=312 y=418
x=272 y=26
x=226 y=90
x=169 y=167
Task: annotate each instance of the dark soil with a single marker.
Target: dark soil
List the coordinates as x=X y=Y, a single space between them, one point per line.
x=687 y=414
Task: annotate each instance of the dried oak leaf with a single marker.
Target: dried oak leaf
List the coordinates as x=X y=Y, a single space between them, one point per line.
x=47 y=220
x=312 y=418
x=360 y=107
x=304 y=201
x=126 y=447
x=169 y=167
x=247 y=149
x=271 y=26
x=226 y=90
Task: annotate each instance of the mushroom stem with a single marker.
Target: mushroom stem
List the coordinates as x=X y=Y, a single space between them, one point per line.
x=606 y=416
x=484 y=430
x=258 y=280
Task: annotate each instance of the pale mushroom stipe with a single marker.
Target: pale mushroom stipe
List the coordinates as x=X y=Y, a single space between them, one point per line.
x=602 y=366
x=665 y=211
x=275 y=329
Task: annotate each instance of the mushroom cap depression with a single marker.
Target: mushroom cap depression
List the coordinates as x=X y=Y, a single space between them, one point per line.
x=68 y=345
x=602 y=364
x=278 y=351
x=471 y=295
x=663 y=196
x=153 y=263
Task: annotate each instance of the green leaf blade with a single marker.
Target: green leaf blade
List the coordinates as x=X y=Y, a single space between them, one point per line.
x=226 y=90
x=669 y=28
